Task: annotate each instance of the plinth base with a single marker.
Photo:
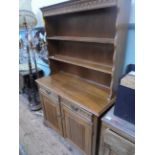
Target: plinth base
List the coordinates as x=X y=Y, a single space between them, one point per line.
x=34 y=106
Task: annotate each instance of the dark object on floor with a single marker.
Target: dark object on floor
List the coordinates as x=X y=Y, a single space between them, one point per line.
x=29 y=87
x=24 y=81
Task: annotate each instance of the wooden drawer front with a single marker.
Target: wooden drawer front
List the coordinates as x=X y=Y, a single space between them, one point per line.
x=49 y=93
x=116 y=144
x=77 y=109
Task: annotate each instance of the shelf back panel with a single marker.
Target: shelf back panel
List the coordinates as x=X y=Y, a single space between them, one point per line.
x=96 y=23
x=87 y=74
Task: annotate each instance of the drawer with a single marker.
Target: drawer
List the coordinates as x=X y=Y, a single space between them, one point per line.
x=49 y=93
x=118 y=144
x=77 y=109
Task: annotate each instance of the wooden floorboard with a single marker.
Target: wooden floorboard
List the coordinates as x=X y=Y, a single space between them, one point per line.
x=37 y=139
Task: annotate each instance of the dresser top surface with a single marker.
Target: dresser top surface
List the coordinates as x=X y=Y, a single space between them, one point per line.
x=89 y=96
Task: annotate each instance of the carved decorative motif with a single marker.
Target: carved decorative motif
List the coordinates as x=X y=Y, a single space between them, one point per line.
x=76 y=6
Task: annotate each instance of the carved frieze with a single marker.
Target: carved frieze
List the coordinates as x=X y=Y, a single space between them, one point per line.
x=77 y=6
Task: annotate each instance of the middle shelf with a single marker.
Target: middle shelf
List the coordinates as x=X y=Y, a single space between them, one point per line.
x=83 y=39
x=83 y=63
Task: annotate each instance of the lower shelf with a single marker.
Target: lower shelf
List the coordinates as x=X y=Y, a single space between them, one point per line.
x=84 y=63
x=89 y=96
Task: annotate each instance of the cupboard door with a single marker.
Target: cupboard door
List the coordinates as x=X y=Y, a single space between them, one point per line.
x=52 y=115
x=77 y=130
x=117 y=145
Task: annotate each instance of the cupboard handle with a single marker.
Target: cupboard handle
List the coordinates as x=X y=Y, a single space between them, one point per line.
x=74 y=108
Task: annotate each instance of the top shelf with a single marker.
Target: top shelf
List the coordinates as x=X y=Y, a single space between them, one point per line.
x=83 y=39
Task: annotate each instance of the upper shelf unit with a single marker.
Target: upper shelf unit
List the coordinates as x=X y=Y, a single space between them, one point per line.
x=87 y=38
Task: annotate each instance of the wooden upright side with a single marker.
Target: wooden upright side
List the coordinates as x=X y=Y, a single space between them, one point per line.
x=120 y=42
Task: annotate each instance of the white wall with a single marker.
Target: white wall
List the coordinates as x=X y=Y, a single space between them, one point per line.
x=25 y=4
x=37 y=4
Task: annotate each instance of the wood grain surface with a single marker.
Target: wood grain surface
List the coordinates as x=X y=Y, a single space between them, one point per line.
x=84 y=63
x=85 y=94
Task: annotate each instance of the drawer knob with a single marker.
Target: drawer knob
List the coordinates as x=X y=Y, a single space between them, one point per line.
x=48 y=92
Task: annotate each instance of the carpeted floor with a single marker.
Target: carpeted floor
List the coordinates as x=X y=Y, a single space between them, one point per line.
x=37 y=139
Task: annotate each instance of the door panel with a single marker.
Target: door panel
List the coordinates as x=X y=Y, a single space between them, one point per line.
x=52 y=114
x=77 y=130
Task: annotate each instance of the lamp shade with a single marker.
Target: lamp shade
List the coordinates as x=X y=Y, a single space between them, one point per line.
x=26 y=16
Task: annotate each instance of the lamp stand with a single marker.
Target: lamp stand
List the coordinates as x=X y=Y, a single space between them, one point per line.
x=32 y=92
